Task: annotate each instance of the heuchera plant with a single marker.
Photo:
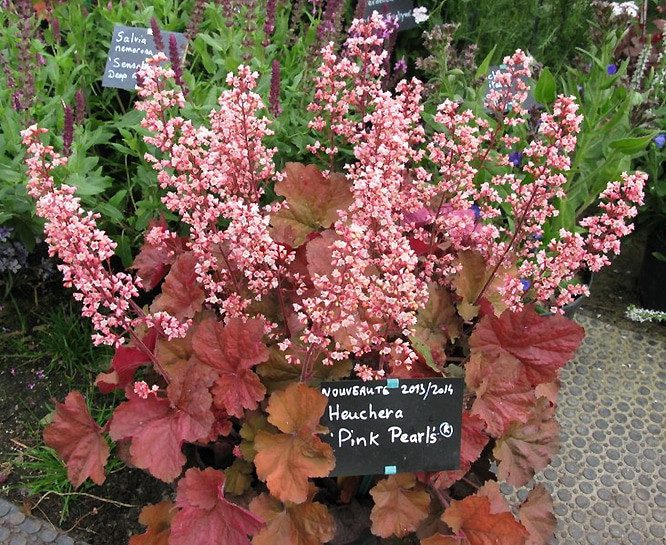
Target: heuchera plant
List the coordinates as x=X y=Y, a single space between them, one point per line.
x=422 y=257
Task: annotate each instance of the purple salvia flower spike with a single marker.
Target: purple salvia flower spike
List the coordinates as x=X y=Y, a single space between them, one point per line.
x=80 y=101
x=176 y=64
x=157 y=34
x=68 y=130
x=274 y=97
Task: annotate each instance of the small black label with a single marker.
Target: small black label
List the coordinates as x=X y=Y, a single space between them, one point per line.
x=129 y=49
x=402 y=9
x=393 y=426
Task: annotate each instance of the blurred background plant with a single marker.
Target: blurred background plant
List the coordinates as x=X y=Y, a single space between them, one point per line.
x=52 y=57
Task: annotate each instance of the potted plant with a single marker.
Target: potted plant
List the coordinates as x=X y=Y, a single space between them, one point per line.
x=421 y=256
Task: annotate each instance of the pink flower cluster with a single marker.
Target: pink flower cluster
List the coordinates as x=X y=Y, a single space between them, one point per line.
x=374 y=290
x=85 y=250
x=423 y=207
x=215 y=174
x=346 y=84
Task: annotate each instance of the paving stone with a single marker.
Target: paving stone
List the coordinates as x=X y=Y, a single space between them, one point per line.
x=609 y=479
x=5 y=506
x=30 y=525
x=16 y=518
x=48 y=535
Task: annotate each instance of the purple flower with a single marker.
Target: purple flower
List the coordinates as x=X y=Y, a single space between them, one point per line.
x=176 y=64
x=525 y=283
x=157 y=34
x=80 y=101
x=269 y=23
x=274 y=97
x=400 y=66
x=611 y=69
x=516 y=158
x=196 y=17
x=660 y=140
x=68 y=131
x=41 y=375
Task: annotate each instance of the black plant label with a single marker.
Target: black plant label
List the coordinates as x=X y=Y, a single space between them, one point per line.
x=129 y=49
x=392 y=426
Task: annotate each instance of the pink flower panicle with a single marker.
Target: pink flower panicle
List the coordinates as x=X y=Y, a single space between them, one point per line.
x=374 y=291
x=347 y=84
x=72 y=234
x=215 y=173
x=619 y=205
x=85 y=250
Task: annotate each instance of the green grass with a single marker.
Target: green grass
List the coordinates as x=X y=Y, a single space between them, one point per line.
x=64 y=339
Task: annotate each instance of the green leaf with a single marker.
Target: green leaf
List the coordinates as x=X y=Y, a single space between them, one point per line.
x=546 y=88
x=422 y=348
x=482 y=70
x=630 y=146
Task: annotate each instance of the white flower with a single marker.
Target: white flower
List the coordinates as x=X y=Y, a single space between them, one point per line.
x=625 y=8
x=420 y=15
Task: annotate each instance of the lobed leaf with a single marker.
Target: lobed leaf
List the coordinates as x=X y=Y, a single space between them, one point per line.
x=543 y=344
x=536 y=514
x=473 y=519
x=503 y=393
x=205 y=516
x=308 y=523
x=152 y=262
x=78 y=440
x=181 y=296
x=157 y=518
x=126 y=360
x=232 y=349
x=313 y=202
x=286 y=460
x=158 y=427
x=529 y=447
x=437 y=324
x=401 y=504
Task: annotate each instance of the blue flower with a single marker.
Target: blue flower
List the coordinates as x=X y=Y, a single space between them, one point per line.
x=660 y=140
x=525 y=283
x=515 y=158
x=611 y=69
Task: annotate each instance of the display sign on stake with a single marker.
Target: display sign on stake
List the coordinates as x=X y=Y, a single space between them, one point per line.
x=401 y=9
x=394 y=425
x=130 y=47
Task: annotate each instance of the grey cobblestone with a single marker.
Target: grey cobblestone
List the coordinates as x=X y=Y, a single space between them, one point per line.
x=608 y=481
x=18 y=529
